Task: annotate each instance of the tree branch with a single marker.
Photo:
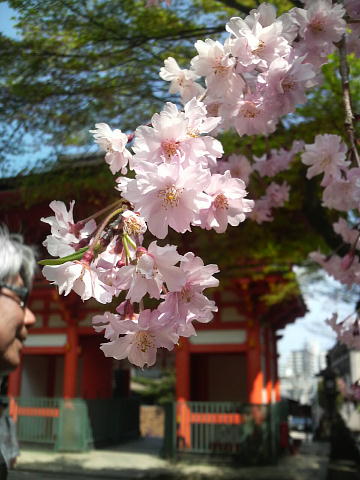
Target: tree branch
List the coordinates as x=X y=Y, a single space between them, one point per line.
x=349 y=116
x=235 y=5
x=246 y=10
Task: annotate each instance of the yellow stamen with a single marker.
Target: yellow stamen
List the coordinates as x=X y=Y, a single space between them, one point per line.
x=170 y=147
x=259 y=48
x=144 y=341
x=171 y=196
x=221 y=201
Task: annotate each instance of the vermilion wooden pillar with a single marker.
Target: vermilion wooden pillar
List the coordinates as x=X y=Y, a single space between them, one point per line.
x=71 y=360
x=182 y=364
x=97 y=374
x=276 y=376
x=269 y=361
x=254 y=373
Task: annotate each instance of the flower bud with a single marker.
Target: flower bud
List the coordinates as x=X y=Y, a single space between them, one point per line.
x=140 y=251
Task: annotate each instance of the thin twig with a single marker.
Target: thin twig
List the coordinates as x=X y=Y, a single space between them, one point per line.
x=103 y=225
x=349 y=116
x=103 y=210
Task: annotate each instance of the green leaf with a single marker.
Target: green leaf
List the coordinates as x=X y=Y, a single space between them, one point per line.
x=69 y=258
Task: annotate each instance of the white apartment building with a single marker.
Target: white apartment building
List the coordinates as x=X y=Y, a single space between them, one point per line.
x=298 y=373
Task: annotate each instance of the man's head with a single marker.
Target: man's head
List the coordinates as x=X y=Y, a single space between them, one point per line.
x=17 y=265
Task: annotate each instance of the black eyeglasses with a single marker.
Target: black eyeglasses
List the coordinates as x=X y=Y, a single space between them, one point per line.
x=21 y=292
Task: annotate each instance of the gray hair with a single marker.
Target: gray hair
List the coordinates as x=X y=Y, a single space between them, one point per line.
x=16 y=258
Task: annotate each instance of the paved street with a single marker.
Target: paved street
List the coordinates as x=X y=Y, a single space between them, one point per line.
x=127 y=462
x=343 y=470
x=18 y=475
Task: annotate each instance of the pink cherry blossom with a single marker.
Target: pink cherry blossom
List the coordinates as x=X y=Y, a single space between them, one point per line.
x=343 y=194
x=277 y=194
x=326 y=155
x=152 y=268
x=265 y=42
x=334 y=266
x=200 y=123
x=182 y=308
x=347 y=331
x=239 y=167
x=261 y=211
x=142 y=337
x=321 y=22
x=315 y=53
x=110 y=262
x=277 y=161
x=80 y=277
x=290 y=29
x=66 y=235
x=348 y=234
x=189 y=303
x=133 y=223
x=286 y=82
x=217 y=66
x=110 y=323
x=352 y=8
x=114 y=143
x=259 y=73
x=174 y=137
x=252 y=117
x=339 y=195
x=228 y=204
x=182 y=80
x=106 y=323
x=168 y=195
x=265 y=14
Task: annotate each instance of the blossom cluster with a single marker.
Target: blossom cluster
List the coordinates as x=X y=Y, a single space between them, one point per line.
x=264 y=168
x=263 y=68
x=328 y=157
x=347 y=330
x=120 y=264
x=179 y=178
x=173 y=187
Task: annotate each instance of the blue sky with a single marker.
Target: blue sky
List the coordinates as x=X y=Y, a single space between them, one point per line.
x=323 y=298
x=6 y=24
x=312 y=326
x=15 y=163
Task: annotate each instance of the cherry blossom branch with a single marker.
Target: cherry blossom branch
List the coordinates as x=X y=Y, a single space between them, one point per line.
x=351 y=20
x=349 y=116
x=103 y=225
x=203 y=95
x=103 y=210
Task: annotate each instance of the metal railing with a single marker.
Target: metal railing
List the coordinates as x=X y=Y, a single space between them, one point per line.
x=73 y=424
x=247 y=431
x=36 y=418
